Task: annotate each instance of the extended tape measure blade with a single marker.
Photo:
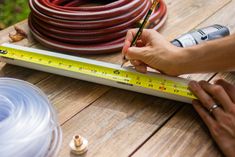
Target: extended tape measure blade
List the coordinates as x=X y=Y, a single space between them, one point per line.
x=98 y=72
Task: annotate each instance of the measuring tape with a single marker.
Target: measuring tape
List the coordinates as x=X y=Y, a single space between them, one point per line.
x=98 y=72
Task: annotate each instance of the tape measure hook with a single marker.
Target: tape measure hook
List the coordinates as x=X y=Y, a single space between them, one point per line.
x=3 y=52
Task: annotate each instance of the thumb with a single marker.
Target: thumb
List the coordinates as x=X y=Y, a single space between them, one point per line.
x=136 y=53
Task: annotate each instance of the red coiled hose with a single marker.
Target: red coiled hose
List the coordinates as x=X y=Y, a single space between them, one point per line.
x=74 y=26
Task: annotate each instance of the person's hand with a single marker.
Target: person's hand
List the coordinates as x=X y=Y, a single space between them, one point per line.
x=220 y=120
x=153 y=50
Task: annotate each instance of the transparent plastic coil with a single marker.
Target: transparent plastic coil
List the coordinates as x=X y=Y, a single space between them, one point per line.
x=28 y=123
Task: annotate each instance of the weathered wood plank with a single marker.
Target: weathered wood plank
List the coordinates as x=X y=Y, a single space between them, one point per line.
x=185 y=15
x=118 y=141
x=193 y=139
x=119 y=116
x=77 y=96
x=183 y=135
x=29 y=75
x=118 y=122
x=230 y=77
x=29 y=41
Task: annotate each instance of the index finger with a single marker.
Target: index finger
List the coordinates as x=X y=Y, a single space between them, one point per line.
x=130 y=36
x=204 y=98
x=229 y=88
x=218 y=93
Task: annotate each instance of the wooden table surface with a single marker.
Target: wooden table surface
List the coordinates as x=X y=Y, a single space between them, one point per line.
x=123 y=123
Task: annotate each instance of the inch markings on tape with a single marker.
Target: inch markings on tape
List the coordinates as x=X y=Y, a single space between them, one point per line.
x=97 y=72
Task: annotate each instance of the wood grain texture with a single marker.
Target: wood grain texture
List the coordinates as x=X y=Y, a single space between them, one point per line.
x=183 y=135
x=228 y=76
x=29 y=41
x=193 y=140
x=116 y=122
x=224 y=17
x=186 y=15
x=75 y=98
x=29 y=75
x=98 y=114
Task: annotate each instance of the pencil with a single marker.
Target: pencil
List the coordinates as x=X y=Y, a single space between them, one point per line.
x=138 y=34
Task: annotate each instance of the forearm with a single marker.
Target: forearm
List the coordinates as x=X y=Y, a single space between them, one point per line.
x=213 y=56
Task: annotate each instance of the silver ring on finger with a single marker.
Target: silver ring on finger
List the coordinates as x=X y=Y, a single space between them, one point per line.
x=213 y=107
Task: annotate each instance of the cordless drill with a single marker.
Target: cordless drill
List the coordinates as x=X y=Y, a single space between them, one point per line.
x=201 y=35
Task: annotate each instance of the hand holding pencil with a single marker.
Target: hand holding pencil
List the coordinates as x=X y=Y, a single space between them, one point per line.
x=153 y=50
x=138 y=34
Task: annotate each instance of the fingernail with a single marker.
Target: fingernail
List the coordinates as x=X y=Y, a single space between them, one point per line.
x=193 y=84
x=136 y=62
x=217 y=81
x=141 y=69
x=203 y=82
x=127 y=57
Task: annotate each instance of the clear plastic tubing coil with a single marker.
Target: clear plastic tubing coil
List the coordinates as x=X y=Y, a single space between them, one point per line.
x=28 y=124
